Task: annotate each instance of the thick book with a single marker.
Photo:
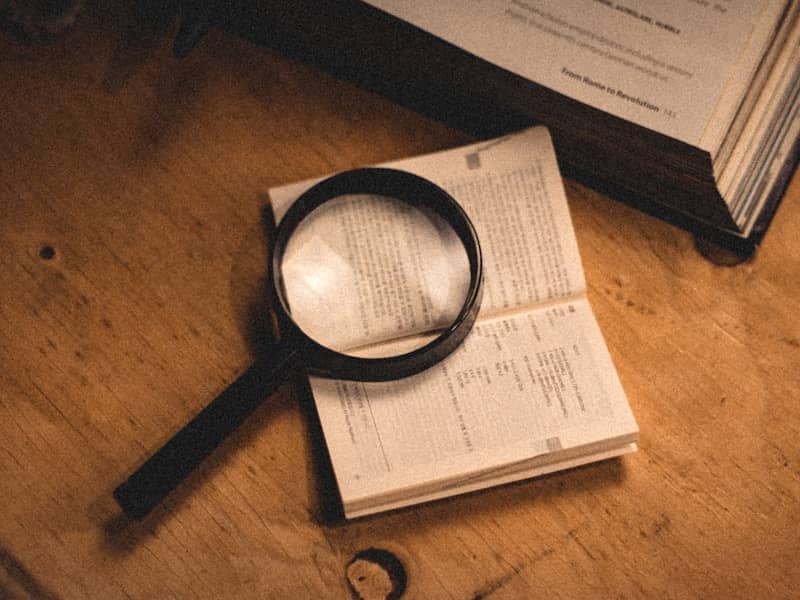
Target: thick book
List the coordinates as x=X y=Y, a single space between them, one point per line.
x=688 y=110
x=531 y=390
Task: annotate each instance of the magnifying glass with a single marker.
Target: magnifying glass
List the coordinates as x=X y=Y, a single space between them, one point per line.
x=376 y=275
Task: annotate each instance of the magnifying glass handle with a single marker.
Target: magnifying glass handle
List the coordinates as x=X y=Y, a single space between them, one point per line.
x=163 y=471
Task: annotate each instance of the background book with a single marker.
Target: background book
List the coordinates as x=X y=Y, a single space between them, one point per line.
x=723 y=183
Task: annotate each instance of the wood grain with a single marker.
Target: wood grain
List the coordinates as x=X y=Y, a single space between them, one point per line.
x=132 y=257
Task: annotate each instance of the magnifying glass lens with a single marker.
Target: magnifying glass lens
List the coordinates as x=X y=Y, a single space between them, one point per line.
x=373 y=276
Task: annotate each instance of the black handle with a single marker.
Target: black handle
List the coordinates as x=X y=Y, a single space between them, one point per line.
x=180 y=455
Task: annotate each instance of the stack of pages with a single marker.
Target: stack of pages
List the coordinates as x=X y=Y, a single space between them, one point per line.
x=530 y=391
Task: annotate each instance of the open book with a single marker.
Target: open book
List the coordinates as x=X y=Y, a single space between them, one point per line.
x=530 y=391
x=689 y=110
x=712 y=88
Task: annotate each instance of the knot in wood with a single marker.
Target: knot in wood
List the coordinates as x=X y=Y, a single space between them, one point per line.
x=376 y=574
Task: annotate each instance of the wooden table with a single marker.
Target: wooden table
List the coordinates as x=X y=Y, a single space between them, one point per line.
x=133 y=256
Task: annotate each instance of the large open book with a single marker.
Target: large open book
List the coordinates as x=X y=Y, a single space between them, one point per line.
x=686 y=109
x=531 y=390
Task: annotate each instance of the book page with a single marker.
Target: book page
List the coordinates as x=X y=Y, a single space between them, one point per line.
x=767 y=139
x=735 y=108
x=364 y=268
x=522 y=385
x=663 y=65
x=512 y=192
x=534 y=467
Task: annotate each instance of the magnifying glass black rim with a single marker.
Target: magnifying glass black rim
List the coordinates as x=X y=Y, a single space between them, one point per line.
x=416 y=191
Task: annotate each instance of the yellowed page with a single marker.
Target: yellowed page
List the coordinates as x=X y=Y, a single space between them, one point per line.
x=663 y=65
x=524 y=385
x=398 y=499
x=767 y=138
x=511 y=190
x=736 y=107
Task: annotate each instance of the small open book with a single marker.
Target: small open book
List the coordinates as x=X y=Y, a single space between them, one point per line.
x=532 y=389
